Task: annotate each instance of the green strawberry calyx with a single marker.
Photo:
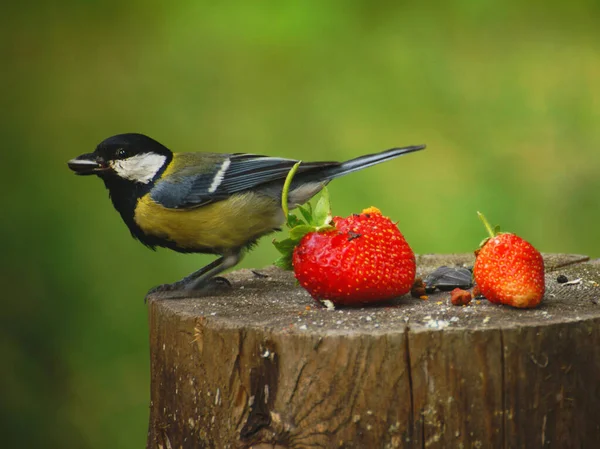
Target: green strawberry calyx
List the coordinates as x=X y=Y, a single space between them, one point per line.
x=318 y=219
x=492 y=231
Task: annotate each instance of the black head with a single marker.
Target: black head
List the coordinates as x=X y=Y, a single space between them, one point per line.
x=132 y=157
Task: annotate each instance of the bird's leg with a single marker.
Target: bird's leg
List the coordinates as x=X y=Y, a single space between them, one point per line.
x=198 y=280
x=205 y=269
x=202 y=277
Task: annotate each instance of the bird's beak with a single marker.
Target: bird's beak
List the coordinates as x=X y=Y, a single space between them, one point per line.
x=88 y=164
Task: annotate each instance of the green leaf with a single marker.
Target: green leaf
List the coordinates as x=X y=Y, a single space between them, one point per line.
x=300 y=231
x=317 y=220
x=322 y=215
x=326 y=228
x=306 y=212
x=294 y=221
x=285 y=262
x=285 y=246
x=286 y=189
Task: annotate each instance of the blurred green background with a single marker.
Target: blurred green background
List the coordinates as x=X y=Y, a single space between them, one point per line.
x=506 y=94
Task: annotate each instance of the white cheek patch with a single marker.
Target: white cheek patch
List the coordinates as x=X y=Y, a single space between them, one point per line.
x=139 y=168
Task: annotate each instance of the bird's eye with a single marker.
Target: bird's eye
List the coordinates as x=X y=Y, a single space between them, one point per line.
x=121 y=153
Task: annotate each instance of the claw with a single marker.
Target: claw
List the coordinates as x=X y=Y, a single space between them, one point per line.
x=220 y=281
x=164 y=288
x=186 y=289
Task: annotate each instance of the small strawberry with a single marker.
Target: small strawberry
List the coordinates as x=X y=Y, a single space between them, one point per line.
x=509 y=270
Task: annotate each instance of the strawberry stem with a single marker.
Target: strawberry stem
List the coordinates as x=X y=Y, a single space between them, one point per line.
x=286 y=188
x=491 y=231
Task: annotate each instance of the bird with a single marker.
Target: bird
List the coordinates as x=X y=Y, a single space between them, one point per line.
x=209 y=203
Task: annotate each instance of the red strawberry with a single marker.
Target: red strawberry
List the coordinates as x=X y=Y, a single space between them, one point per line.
x=509 y=270
x=354 y=260
x=364 y=258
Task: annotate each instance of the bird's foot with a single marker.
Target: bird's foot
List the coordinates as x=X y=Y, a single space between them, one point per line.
x=219 y=281
x=167 y=291
x=185 y=288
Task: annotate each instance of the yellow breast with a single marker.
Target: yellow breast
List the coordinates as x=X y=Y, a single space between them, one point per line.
x=222 y=225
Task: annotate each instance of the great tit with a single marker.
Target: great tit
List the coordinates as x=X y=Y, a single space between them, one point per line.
x=209 y=203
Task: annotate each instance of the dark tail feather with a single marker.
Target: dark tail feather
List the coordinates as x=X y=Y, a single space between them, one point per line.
x=367 y=161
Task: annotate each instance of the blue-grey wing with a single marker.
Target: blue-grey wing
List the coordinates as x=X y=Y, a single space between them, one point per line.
x=244 y=172
x=229 y=174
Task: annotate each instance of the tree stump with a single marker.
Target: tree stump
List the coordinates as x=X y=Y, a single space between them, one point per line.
x=261 y=365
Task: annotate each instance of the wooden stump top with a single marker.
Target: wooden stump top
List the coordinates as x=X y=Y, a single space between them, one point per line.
x=271 y=298
x=261 y=365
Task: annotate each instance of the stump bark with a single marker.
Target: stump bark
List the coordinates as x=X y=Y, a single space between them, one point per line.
x=261 y=365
